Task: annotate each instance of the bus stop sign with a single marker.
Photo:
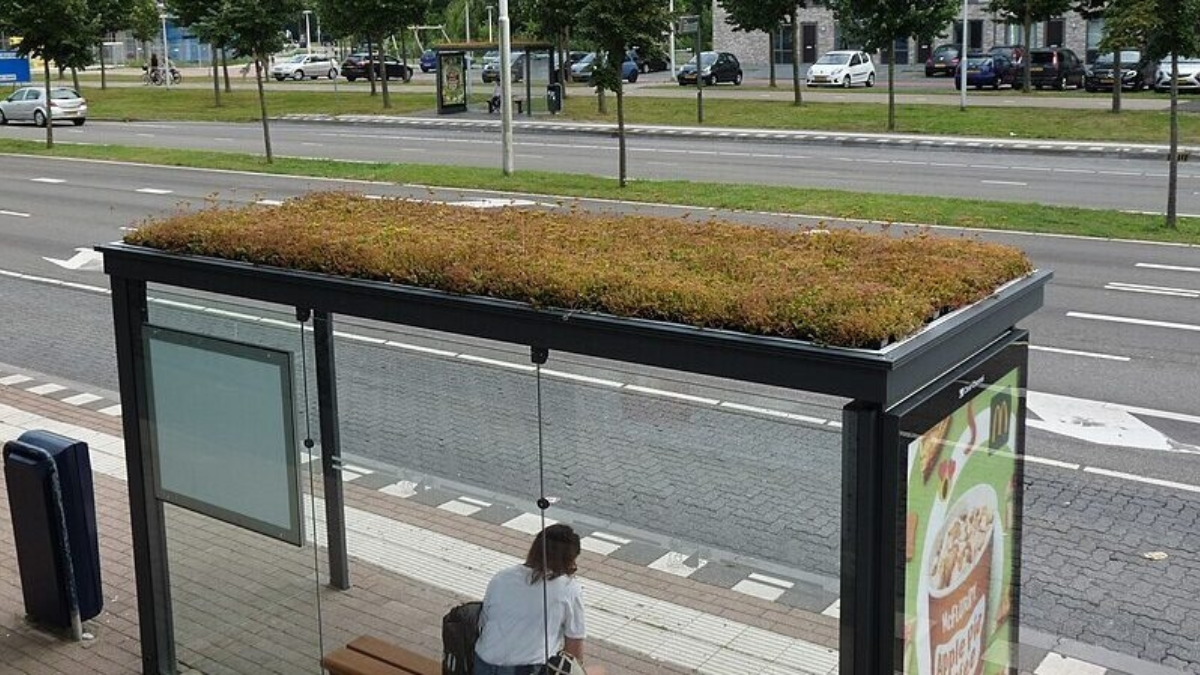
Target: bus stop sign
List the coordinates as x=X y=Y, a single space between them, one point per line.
x=13 y=68
x=688 y=25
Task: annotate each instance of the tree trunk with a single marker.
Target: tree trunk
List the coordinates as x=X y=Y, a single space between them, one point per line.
x=225 y=70
x=891 y=52
x=75 y=77
x=383 y=76
x=1026 y=67
x=771 y=56
x=259 y=64
x=49 y=112
x=1173 y=169
x=1117 y=80
x=601 y=101
x=371 y=66
x=103 y=74
x=797 y=97
x=216 y=79
x=621 y=132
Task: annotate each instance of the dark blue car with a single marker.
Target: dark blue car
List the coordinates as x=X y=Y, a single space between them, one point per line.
x=987 y=70
x=428 y=61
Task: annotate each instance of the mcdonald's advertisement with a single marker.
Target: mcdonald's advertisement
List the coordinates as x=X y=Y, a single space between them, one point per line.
x=959 y=545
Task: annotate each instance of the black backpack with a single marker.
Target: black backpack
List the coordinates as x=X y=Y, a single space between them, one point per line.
x=460 y=630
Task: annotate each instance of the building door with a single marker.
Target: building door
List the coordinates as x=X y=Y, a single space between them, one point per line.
x=808 y=42
x=924 y=49
x=975 y=33
x=1055 y=33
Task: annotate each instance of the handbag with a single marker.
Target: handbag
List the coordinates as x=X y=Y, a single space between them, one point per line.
x=563 y=663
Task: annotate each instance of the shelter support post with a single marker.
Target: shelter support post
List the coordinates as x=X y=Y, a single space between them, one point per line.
x=863 y=557
x=146 y=515
x=331 y=451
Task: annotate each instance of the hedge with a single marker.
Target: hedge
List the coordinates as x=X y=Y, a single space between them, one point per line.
x=837 y=287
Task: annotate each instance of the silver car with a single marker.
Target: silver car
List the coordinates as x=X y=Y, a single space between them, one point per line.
x=1189 y=75
x=28 y=104
x=303 y=66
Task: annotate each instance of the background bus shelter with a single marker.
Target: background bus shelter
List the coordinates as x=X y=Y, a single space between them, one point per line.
x=950 y=396
x=541 y=69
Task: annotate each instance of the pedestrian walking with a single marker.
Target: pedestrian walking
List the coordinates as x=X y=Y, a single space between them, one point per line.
x=534 y=609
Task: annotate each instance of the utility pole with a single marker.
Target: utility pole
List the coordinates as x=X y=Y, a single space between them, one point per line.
x=468 y=20
x=699 y=53
x=962 y=60
x=307 y=31
x=671 y=40
x=489 y=10
x=506 y=104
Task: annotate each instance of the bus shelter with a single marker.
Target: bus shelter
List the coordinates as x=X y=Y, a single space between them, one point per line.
x=465 y=77
x=907 y=492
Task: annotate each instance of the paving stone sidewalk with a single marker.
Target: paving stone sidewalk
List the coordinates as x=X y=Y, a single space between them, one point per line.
x=245 y=604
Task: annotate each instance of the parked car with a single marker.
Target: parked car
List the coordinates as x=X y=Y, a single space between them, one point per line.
x=842 y=68
x=715 y=67
x=491 y=69
x=1014 y=53
x=943 y=61
x=1189 y=75
x=428 y=61
x=582 y=70
x=1055 y=67
x=574 y=56
x=357 y=65
x=28 y=104
x=303 y=66
x=649 y=64
x=987 y=70
x=1137 y=72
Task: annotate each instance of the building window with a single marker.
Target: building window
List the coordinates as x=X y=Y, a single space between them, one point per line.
x=1095 y=33
x=783 y=44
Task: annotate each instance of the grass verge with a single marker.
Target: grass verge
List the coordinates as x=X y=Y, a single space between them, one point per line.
x=833 y=204
x=158 y=103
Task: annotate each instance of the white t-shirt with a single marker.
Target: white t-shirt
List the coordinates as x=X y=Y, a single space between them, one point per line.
x=513 y=633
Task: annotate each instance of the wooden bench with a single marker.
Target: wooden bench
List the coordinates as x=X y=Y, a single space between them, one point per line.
x=371 y=656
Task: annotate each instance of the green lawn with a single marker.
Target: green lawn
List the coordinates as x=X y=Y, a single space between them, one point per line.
x=160 y=103
x=823 y=203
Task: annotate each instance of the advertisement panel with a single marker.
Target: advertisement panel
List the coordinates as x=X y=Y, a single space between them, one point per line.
x=452 y=82
x=960 y=531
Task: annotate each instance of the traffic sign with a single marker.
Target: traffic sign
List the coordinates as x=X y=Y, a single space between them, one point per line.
x=688 y=25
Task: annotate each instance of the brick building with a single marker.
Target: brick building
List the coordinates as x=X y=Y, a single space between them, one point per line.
x=820 y=33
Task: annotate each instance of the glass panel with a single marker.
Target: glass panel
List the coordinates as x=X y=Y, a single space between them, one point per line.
x=242 y=602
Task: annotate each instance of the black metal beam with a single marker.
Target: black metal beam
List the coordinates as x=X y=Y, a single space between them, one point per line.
x=331 y=451
x=148 y=527
x=861 y=374
x=861 y=619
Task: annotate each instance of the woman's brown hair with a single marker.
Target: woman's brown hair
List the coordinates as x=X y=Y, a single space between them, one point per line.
x=561 y=549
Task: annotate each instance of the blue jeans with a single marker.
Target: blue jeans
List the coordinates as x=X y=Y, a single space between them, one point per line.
x=484 y=668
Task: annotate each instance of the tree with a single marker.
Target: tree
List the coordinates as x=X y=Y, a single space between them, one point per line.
x=50 y=30
x=614 y=26
x=1166 y=28
x=552 y=20
x=257 y=31
x=376 y=20
x=143 y=21
x=877 y=24
x=109 y=16
x=765 y=16
x=209 y=21
x=1027 y=12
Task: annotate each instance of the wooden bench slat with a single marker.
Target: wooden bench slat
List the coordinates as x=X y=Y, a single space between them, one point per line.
x=399 y=657
x=346 y=661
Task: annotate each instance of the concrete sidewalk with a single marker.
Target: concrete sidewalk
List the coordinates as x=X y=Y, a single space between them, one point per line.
x=246 y=604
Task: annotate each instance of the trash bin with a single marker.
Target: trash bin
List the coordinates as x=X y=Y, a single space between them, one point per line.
x=554 y=97
x=53 y=508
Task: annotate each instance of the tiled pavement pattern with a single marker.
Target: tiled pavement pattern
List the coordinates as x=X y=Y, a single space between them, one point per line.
x=823 y=138
x=220 y=632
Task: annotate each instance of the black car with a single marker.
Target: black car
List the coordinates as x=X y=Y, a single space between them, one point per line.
x=943 y=61
x=356 y=65
x=715 y=67
x=1014 y=53
x=1137 y=72
x=648 y=63
x=1055 y=67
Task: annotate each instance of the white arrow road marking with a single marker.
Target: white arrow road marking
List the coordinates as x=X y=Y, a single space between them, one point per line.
x=85 y=259
x=1100 y=423
x=1137 y=322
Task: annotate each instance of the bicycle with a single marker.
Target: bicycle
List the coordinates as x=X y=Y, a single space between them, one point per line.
x=158 y=76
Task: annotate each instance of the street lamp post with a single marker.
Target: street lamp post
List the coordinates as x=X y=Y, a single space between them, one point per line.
x=506 y=104
x=489 y=10
x=671 y=42
x=166 y=51
x=962 y=60
x=307 y=31
x=468 y=20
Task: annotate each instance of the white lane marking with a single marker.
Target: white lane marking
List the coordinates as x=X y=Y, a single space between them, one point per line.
x=154 y=191
x=1168 y=268
x=1004 y=182
x=1133 y=321
x=529 y=523
x=461 y=508
x=404 y=489
x=598 y=546
x=1143 y=479
x=145 y=135
x=81 y=399
x=1051 y=462
x=834 y=610
x=621 y=541
x=1073 y=352
x=1057 y=664
x=51 y=181
x=45 y=389
x=773 y=581
x=758 y=590
x=497 y=362
x=14 y=214
x=671 y=394
x=269 y=202
x=1152 y=290
x=583 y=378
x=313 y=145
x=678 y=564
x=14 y=379
x=772 y=412
x=421 y=350
x=111 y=411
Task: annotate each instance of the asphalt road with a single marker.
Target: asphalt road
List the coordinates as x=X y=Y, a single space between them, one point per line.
x=1125 y=184
x=717 y=478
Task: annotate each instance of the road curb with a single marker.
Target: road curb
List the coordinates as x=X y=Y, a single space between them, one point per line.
x=927 y=143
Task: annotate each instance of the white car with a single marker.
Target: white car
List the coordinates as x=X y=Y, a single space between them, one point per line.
x=842 y=68
x=1189 y=75
x=303 y=66
x=29 y=104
